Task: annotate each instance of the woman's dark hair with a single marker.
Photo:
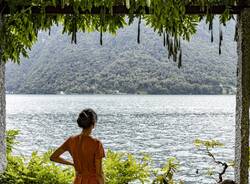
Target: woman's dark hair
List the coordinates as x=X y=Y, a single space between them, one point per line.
x=86 y=118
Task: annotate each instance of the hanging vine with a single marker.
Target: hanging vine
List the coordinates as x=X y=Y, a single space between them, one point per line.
x=139 y=30
x=168 y=18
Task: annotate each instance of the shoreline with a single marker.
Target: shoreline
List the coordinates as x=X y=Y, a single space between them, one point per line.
x=90 y=94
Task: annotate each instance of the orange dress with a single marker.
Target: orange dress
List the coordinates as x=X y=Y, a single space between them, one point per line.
x=84 y=151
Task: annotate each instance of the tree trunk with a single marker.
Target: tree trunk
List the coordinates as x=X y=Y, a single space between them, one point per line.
x=242 y=98
x=2 y=113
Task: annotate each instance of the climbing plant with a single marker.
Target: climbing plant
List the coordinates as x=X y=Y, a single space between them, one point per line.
x=167 y=17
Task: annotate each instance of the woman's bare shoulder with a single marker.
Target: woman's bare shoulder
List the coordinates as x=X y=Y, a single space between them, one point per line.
x=90 y=138
x=98 y=141
x=73 y=137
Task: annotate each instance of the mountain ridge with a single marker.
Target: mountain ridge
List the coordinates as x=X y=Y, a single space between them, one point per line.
x=123 y=66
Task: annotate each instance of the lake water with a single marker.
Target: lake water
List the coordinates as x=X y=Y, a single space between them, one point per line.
x=163 y=126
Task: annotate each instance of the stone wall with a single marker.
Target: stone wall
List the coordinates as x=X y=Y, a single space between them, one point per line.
x=2 y=114
x=242 y=98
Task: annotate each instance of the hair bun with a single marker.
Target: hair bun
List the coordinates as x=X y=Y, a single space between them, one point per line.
x=86 y=118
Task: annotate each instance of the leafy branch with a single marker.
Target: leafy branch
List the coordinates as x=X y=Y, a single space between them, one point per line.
x=209 y=144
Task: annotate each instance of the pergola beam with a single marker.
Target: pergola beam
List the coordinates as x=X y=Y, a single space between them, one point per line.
x=122 y=10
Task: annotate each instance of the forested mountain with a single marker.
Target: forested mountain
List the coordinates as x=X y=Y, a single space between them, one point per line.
x=123 y=66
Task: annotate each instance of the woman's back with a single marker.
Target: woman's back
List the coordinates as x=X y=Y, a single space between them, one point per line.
x=85 y=150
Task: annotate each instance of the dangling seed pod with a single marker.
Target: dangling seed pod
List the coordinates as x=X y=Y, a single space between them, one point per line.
x=174 y=57
x=211 y=30
x=75 y=26
x=72 y=37
x=212 y=36
x=127 y=4
x=148 y=3
x=236 y=31
x=164 y=39
x=167 y=39
x=101 y=26
x=173 y=44
x=170 y=49
x=220 y=39
x=74 y=30
x=177 y=43
x=139 y=30
x=180 y=59
x=175 y=50
x=101 y=36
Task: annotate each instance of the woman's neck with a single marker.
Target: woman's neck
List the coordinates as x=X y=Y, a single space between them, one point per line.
x=86 y=132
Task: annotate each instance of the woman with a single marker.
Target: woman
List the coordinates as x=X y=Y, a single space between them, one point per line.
x=86 y=151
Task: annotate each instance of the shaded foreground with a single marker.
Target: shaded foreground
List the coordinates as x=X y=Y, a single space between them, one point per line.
x=119 y=168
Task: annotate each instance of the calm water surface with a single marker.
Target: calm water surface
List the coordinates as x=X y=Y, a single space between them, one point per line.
x=163 y=126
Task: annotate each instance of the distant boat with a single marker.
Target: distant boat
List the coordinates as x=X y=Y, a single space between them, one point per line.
x=61 y=93
x=117 y=92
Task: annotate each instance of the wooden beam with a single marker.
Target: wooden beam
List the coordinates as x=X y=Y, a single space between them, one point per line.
x=122 y=10
x=242 y=98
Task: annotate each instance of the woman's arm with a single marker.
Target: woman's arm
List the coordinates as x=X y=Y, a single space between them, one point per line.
x=56 y=157
x=99 y=171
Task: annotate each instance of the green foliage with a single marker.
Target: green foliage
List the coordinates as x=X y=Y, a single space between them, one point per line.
x=20 y=28
x=17 y=36
x=19 y=31
x=38 y=169
x=207 y=143
x=165 y=175
x=122 y=168
x=11 y=140
x=119 y=168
